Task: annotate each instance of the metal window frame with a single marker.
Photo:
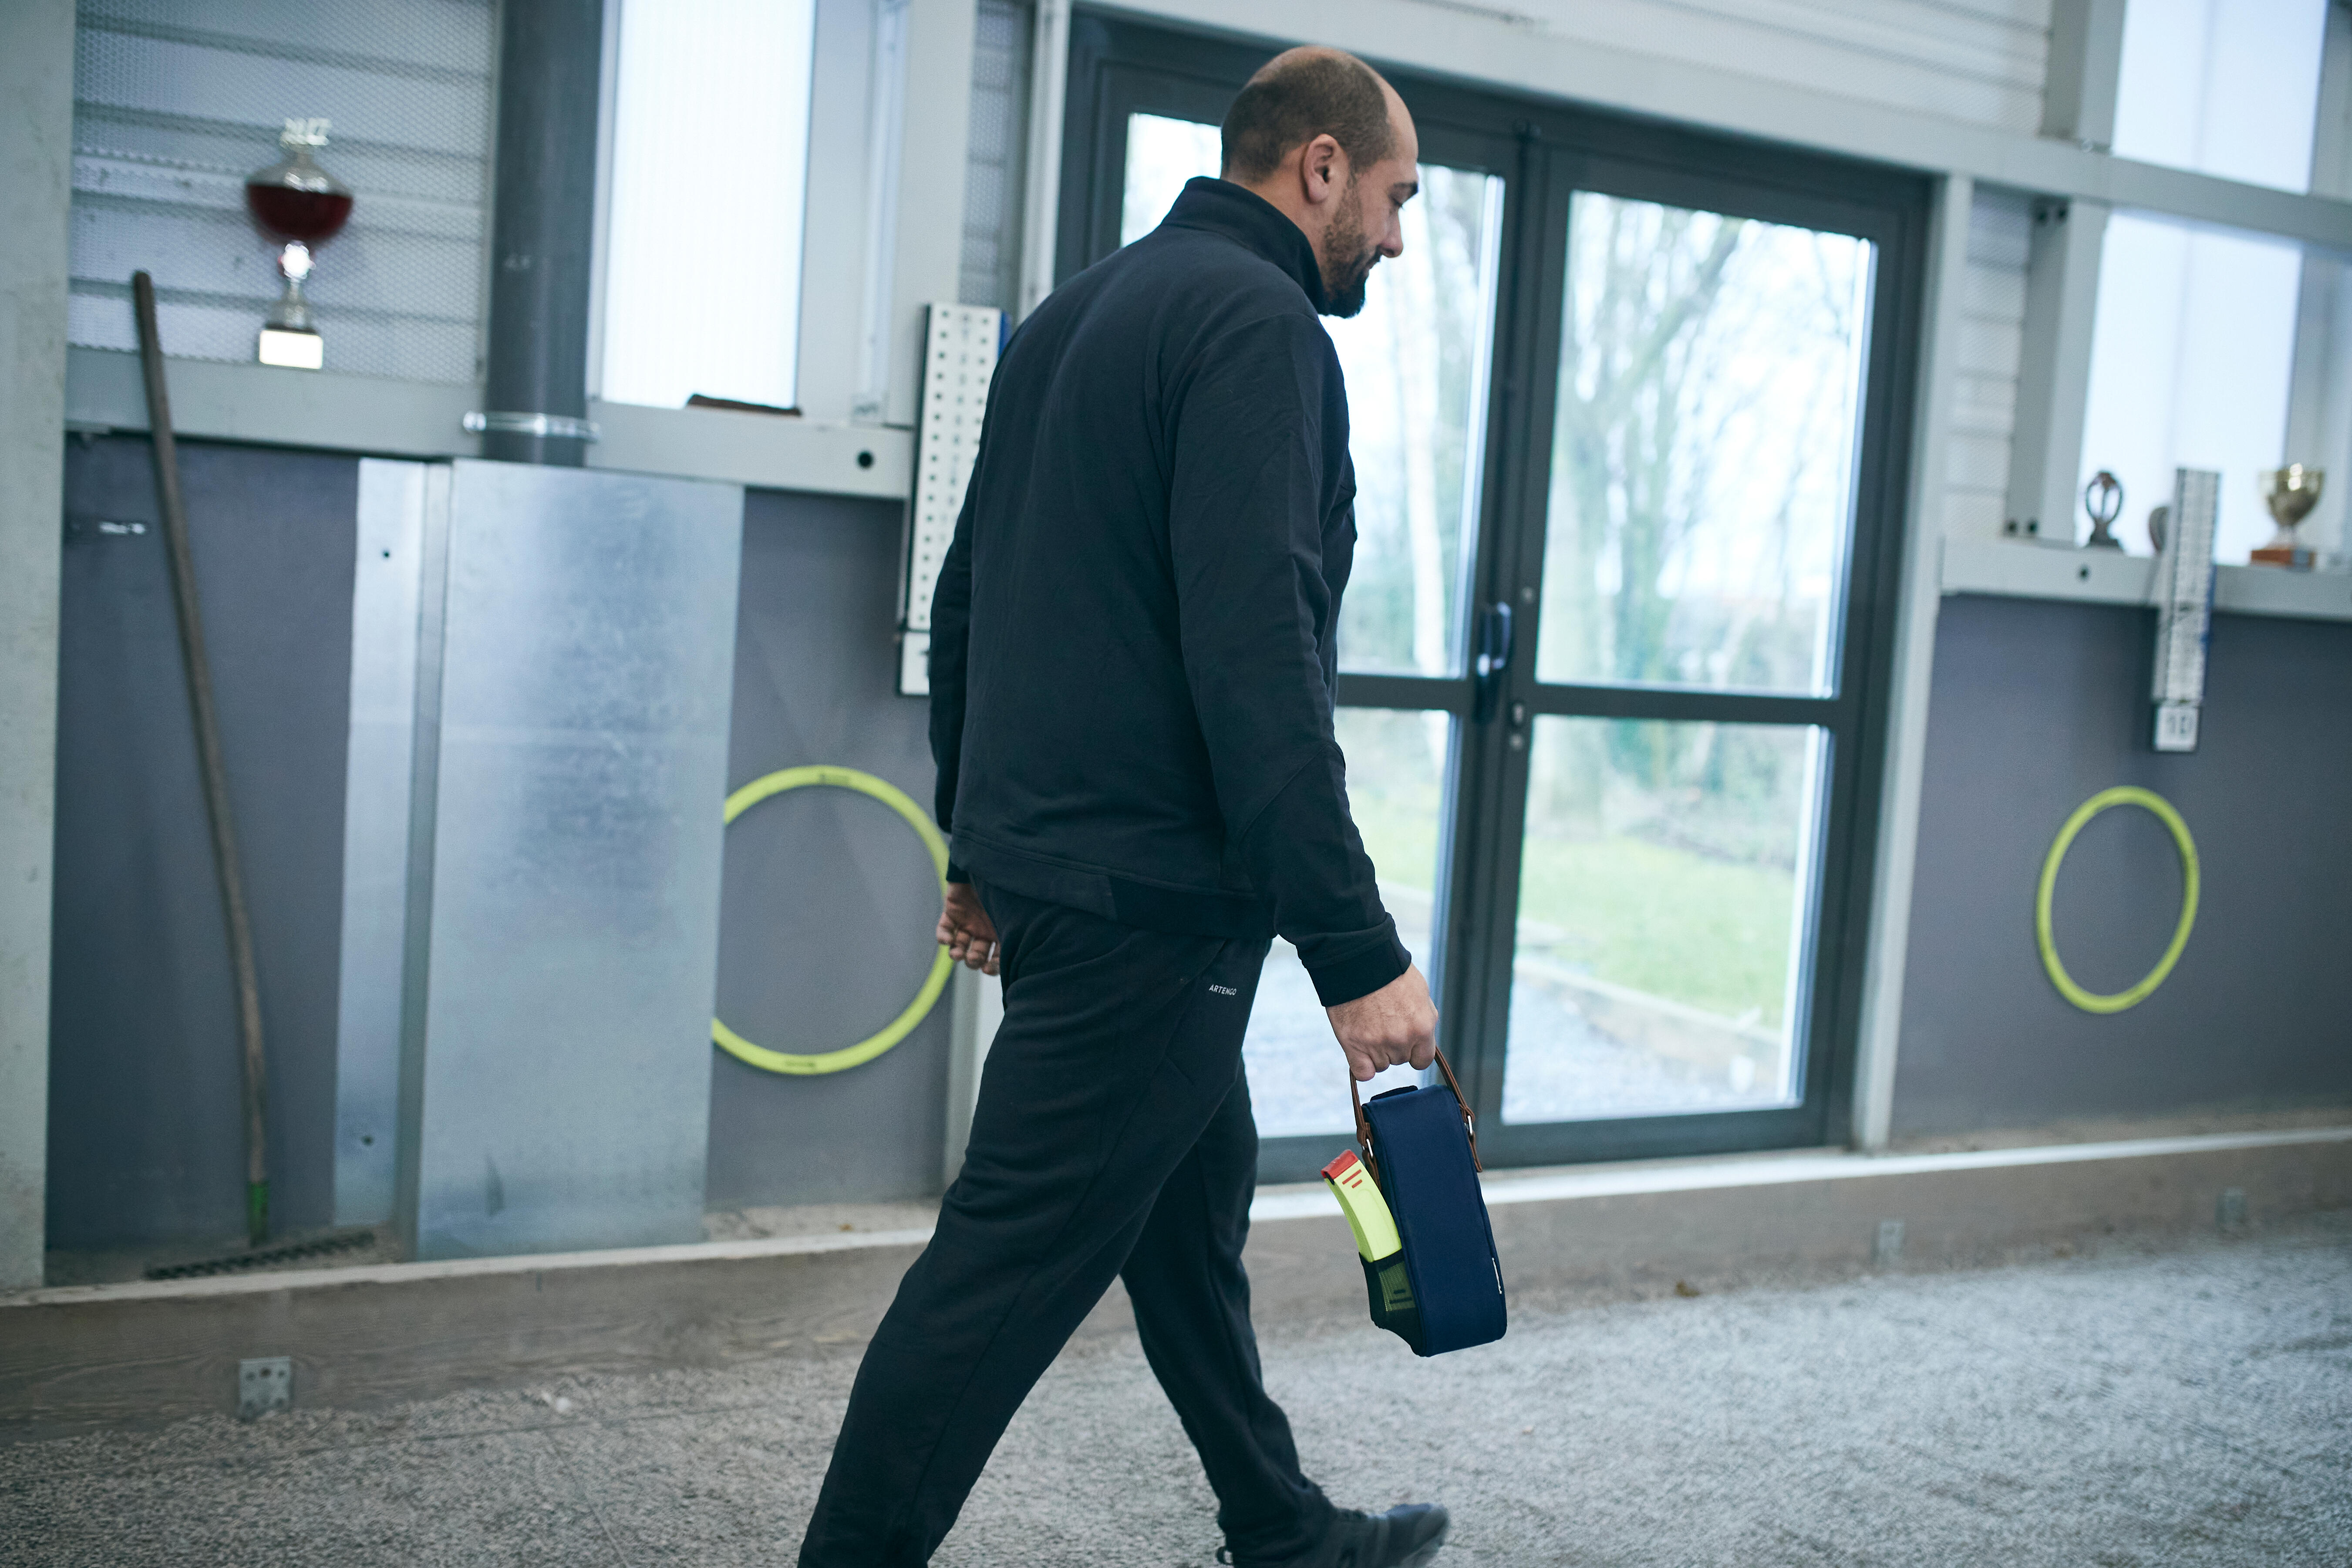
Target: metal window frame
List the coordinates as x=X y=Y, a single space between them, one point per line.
x=1118 y=66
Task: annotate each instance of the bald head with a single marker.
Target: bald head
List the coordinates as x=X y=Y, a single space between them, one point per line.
x=1301 y=94
x=1322 y=139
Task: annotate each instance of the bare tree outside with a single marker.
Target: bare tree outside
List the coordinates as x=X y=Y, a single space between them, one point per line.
x=1700 y=502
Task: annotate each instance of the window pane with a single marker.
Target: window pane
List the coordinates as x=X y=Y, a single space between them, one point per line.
x=1415 y=361
x=1396 y=783
x=1161 y=154
x=702 y=254
x=2224 y=87
x=1703 y=451
x=2192 y=352
x=1664 y=888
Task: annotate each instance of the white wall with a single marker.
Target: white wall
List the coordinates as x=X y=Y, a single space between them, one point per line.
x=1980 y=61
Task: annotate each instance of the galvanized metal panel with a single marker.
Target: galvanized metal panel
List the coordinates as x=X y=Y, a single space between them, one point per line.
x=562 y=1083
x=385 y=584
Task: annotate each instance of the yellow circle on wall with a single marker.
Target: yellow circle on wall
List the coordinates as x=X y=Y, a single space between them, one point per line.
x=2122 y=794
x=874 y=1045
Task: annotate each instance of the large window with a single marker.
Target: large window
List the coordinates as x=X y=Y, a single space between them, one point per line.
x=2192 y=356
x=1611 y=657
x=702 y=247
x=2223 y=86
x=1415 y=358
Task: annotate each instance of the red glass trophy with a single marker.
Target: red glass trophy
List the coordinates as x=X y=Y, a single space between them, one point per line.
x=299 y=205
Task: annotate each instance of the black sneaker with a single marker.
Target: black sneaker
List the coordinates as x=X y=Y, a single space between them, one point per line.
x=1405 y=1537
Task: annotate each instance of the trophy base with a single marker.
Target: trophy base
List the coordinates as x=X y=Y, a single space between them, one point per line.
x=2292 y=557
x=292 y=350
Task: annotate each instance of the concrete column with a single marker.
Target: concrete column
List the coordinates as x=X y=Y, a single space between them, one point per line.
x=2054 y=381
x=2086 y=52
x=918 y=186
x=1049 y=75
x=1880 y=1036
x=2078 y=105
x=543 y=227
x=2319 y=399
x=37 y=58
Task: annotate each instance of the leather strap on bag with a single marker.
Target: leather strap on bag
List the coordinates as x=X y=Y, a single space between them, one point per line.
x=1364 y=1128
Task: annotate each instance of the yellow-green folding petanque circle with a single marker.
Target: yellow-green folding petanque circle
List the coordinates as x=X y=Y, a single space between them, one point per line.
x=2122 y=794
x=872 y=1046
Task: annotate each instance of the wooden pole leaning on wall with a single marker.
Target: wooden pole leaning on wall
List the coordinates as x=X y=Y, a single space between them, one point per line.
x=208 y=756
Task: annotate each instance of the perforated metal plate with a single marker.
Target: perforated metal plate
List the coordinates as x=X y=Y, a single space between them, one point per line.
x=959 y=359
x=2184 y=614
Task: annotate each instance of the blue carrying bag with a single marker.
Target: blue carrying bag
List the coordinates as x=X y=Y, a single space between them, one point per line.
x=1420 y=1146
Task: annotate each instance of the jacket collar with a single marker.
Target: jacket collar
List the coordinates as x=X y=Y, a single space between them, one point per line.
x=1242 y=216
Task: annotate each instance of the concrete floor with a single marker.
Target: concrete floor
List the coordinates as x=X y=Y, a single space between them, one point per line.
x=2185 y=1406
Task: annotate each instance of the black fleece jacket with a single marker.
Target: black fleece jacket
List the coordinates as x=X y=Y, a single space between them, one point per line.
x=1132 y=663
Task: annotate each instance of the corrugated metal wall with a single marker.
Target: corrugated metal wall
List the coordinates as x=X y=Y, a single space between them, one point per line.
x=175 y=101
x=996 y=161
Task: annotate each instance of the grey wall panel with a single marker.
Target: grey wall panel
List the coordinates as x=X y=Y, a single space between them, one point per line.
x=584 y=669
x=145 y=1143
x=830 y=899
x=2038 y=706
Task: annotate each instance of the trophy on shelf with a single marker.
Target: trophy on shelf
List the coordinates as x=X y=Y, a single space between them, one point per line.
x=2290 y=492
x=299 y=205
x=2103 y=498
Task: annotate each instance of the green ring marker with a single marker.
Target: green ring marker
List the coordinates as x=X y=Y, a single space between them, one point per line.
x=2122 y=794
x=872 y=1046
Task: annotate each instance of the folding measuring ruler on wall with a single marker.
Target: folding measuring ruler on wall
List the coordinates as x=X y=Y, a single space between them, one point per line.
x=2184 y=607
x=960 y=350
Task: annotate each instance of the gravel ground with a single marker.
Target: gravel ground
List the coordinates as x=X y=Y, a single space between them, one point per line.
x=2184 y=1407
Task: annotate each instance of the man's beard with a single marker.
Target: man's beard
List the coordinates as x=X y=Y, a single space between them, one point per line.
x=1345 y=259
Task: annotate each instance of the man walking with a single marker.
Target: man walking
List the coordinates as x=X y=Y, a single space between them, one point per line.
x=1132 y=670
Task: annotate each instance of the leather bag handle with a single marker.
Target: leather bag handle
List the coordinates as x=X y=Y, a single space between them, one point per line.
x=1364 y=1128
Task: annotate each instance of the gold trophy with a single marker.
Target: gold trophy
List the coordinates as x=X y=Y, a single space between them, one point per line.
x=2290 y=492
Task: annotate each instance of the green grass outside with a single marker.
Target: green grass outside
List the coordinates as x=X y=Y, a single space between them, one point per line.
x=1666 y=921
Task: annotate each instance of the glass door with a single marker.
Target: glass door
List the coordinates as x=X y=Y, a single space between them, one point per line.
x=1678 y=833
x=1696 y=534
x=1627 y=422
x=1417 y=361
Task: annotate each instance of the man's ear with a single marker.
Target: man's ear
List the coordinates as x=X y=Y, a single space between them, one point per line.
x=1321 y=169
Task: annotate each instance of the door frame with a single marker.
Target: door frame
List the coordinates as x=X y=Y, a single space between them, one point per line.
x=1545 y=150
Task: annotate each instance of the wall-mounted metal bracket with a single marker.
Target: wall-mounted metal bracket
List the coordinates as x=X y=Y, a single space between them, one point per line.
x=264 y=1384
x=550 y=426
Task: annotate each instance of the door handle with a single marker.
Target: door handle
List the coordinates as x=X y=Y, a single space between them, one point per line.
x=1493 y=658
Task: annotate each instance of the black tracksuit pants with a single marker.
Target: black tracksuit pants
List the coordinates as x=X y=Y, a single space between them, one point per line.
x=1113 y=1136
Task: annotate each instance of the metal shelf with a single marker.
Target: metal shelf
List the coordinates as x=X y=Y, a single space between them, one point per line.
x=2107 y=577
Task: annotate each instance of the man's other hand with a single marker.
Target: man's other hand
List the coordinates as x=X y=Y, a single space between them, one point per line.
x=967 y=933
x=1391 y=1026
